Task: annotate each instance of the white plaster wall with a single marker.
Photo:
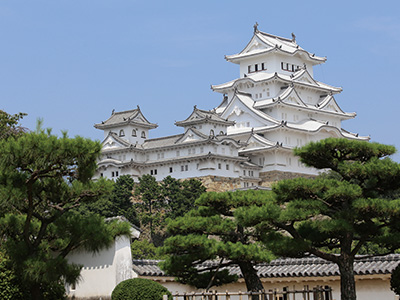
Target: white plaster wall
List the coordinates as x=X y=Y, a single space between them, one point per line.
x=101 y=272
x=367 y=288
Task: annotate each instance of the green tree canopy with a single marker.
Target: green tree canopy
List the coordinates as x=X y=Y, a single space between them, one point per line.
x=43 y=179
x=117 y=203
x=213 y=233
x=333 y=217
x=9 y=125
x=157 y=201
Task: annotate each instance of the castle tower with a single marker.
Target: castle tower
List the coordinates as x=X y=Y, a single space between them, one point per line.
x=277 y=104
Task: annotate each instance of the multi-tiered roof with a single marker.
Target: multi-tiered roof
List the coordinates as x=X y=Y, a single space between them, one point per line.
x=277 y=103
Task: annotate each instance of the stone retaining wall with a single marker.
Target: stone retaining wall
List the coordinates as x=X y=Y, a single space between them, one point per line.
x=222 y=184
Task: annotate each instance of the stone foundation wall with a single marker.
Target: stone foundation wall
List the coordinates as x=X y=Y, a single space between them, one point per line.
x=220 y=184
x=267 y=178
x=223 y=184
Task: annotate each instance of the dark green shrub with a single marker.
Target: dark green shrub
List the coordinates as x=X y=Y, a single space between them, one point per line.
x=395 y=280
x=139 y=289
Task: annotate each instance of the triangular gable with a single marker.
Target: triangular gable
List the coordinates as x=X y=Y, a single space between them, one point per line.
x=256 y=45
x=191 y=135
x=305 y=77
x=329 y=104
x=243 y=105
x=113 y=142
x=139 y=118
x=290 y=96
x=256 y=141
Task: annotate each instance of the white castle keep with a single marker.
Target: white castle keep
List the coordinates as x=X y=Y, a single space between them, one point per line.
x=274 y=106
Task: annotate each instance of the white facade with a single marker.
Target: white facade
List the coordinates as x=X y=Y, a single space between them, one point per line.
x=102 y=271
x=274 y=106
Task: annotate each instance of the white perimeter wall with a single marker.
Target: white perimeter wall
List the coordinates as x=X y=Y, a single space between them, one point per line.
x=101 y=272
x=368 y=287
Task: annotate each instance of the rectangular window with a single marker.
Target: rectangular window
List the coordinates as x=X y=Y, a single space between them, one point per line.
x=197 y=166
x=201 y=149
x=101 y=174
x=248 y=69
x=151 y=172
x=186 y=167
x=112 y=174
x=182 y=168
x=116 y=174
x=155 y=172
x=227 y=167
x=262 y=66
x=170 y=169
x=256 y=67
x=244 y=172
x=177 y=153
x=219 y=166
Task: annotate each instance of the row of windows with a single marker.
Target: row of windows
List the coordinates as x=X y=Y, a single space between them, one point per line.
x=142 y=135
x=289 y=67
x=249 y=173
x=220 y=166
x=256 y=68
x=246 y=184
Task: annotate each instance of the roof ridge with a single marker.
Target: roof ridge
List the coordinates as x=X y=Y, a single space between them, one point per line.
x=276 y=36
x=164 y=137
x=125 y=111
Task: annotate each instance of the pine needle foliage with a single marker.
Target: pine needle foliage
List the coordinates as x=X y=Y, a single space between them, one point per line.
x=338 y=215
x=43 y=180
x=211 y=237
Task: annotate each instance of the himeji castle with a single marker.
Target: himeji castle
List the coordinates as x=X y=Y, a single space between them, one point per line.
x=247 y=140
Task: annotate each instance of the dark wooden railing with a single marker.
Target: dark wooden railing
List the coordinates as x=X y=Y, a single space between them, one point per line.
x=316 y=293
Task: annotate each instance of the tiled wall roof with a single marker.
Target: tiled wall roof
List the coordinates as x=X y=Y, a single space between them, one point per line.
x=292 y=267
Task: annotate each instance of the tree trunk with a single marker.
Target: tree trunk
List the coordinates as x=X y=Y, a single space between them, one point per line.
x=347 y=282
x=253 y=282
x=36 y=292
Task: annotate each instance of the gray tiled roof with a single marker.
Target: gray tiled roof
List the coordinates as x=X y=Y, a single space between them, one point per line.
x=292 y=267
x=125 y=117
x=199 y=116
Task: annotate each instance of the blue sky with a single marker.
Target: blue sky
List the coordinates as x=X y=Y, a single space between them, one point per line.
x=72 y=62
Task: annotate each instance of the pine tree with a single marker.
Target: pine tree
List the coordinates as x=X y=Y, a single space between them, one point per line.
x=43 y=179
x=211 y=232
x=334 y=217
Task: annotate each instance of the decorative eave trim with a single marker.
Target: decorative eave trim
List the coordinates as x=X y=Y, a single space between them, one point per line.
x=275 y=76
